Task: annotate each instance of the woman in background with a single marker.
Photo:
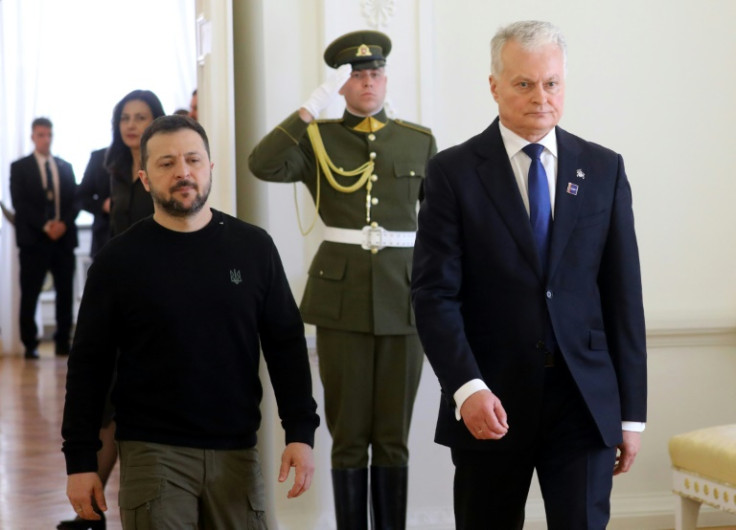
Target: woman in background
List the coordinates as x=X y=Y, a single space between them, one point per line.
x=130 y=202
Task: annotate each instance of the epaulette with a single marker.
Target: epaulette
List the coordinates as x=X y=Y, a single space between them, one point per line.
x=415 y=126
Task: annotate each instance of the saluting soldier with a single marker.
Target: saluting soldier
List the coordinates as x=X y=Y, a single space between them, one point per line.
x=364 y=172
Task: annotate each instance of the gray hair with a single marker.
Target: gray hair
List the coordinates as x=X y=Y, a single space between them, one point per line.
x=531 y=35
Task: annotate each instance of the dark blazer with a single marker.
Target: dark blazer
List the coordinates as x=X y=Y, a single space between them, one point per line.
x=29 y=201
x=481 y=300
x=91 y=195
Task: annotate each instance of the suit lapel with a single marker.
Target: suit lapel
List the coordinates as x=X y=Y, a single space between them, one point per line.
x=35 y=179
x=569 y=195
x=497 y=178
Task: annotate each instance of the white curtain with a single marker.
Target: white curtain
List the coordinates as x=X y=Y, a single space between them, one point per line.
x=72 y=61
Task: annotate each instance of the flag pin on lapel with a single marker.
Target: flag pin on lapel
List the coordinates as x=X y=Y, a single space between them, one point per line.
x=572 y=189
x=580 y=174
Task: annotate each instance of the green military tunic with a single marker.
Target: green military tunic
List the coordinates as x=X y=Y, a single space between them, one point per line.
x=350 y=288
x=370 y=358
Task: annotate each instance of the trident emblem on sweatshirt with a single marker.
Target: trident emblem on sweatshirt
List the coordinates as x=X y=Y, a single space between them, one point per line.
x=235 y=276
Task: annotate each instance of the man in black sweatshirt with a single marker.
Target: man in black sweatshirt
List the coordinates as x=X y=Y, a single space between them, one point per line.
x=181 y=305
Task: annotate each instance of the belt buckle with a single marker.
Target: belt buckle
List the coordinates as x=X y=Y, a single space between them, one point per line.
x=373 y=238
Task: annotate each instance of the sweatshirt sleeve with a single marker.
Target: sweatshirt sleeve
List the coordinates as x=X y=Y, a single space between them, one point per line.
x=285 y=351
x=89 y=373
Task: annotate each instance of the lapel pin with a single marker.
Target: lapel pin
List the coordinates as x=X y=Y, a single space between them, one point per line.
x=572 y=189
x=580 y=174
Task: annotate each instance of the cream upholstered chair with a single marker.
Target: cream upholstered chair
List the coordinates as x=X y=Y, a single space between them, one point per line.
x=704 y=471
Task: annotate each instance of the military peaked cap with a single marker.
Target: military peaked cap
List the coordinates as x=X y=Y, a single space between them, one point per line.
x=362 y=49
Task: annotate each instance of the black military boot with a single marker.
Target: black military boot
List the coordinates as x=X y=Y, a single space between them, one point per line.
x=350 y=487
x=388 y=493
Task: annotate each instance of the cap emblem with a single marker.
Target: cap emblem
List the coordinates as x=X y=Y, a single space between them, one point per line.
x=363 y=51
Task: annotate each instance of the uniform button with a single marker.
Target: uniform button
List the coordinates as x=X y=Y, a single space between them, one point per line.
x=374 y=201
x=371 y=137
x=411 y=173
x=374 y=178
x=372 y=156
x=321 y=273
x=549 y=294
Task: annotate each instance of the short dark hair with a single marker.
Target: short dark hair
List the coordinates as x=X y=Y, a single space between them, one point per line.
x=41 y=122
x=168 y=125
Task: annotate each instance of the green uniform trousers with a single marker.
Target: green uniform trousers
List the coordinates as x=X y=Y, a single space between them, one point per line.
x=370 y=383
x=177 y=488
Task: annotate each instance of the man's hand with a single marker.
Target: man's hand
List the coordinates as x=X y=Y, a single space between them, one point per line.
x=321 y=97
x=627 y=451
x=484 y=416
x=82 y=489
x=55 y=229
x=298 y=455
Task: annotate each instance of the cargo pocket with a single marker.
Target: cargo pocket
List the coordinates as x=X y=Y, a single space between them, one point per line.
x=257 y=502
x=136 y=499
x=255 y=490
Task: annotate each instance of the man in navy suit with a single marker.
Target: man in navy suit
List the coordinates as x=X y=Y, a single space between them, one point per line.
x=42 y=188
x=535 y=331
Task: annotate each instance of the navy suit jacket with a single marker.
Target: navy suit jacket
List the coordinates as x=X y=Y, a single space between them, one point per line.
x=481 y=299
x=29 y=202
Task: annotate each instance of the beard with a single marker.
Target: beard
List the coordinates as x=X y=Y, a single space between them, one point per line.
x=177 y=208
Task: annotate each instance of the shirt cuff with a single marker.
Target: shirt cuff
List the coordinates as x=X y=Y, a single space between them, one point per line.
x=464 y=392
x=634 y=426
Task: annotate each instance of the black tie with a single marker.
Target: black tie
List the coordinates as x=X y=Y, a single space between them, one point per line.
x=50 y=196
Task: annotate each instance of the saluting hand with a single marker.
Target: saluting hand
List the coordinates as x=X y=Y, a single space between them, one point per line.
x=323 y=95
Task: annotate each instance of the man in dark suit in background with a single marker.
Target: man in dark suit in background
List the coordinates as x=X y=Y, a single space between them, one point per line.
x=528 y=302
x=42 y=188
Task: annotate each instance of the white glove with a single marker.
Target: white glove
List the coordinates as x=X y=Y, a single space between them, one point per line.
x=327 y=91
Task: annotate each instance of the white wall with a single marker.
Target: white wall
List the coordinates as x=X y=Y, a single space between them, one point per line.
x=652 y=80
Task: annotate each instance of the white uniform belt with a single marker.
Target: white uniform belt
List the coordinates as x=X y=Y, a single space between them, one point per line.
x=370 y=238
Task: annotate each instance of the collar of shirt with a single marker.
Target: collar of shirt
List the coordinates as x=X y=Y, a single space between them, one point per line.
x=365 y=123
x=520 y=162
x=41 y=161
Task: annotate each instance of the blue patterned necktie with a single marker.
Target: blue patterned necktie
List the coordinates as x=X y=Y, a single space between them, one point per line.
x=540 y=207
x=540 y=215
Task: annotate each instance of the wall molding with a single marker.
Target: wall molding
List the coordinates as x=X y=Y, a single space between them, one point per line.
x=666 y=335
x=661 y=336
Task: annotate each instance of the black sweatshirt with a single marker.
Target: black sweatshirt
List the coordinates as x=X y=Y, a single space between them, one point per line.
x=186 y=312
